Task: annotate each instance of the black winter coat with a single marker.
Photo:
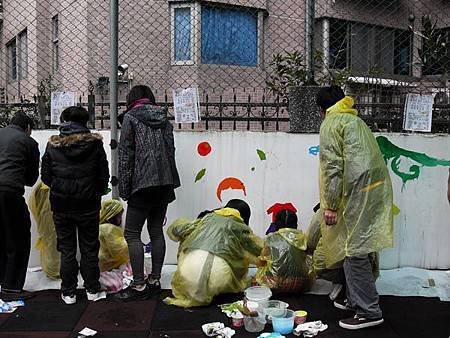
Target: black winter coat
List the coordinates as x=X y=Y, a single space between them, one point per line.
x=19 y=159
x=75 y=168
x=146 y=151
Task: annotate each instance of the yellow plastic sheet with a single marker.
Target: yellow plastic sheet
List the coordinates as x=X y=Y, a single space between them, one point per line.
x=286 y=266
x=113 y=246
x=39 y=205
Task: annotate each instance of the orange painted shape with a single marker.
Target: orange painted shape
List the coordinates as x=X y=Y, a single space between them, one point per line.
x=230 y=183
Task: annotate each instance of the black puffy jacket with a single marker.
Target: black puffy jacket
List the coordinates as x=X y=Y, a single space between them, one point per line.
x=19 y=159
x=75 y=168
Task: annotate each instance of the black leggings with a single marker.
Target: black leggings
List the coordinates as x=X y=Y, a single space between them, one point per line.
x=133 y=228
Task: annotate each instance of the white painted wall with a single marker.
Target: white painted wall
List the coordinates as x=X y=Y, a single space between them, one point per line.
x=290 y=174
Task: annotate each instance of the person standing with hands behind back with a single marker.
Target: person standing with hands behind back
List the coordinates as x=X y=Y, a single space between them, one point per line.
x=147 y=179
x=356 y=196
x=75 y=168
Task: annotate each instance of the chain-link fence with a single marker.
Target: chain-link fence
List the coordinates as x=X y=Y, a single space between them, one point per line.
x=241 y=54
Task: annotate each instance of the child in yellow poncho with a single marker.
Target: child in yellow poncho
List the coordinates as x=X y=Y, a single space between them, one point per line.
x=214 y=254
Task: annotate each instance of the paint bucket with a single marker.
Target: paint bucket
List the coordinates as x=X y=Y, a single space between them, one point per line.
x=237 y=319
x=300 y=317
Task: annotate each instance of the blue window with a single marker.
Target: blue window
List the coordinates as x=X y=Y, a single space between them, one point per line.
x=182 y=34
x=229 y=36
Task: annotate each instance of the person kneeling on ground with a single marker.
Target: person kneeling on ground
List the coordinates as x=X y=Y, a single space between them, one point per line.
x=114 y=260
x=75 y=168
x=335 y=272
x=285 y=266
x=214 y=255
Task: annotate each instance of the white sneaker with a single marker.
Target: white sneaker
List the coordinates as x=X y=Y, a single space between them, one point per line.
x=69 y=300
x=96 y=296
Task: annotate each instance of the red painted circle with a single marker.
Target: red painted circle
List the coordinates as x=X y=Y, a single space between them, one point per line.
x=204 y=149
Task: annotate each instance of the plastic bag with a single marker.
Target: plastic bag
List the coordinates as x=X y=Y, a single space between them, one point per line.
x=39 y=205
x=213 y=257
x=354 y=180
x=287 y=266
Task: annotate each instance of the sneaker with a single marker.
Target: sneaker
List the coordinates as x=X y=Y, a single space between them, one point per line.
x=69 y=300
x=8 y=295
x=343 y=304
x=357 y=322
x=337 y=288
x=131 y=294
x=96 y=295
x=154 y=285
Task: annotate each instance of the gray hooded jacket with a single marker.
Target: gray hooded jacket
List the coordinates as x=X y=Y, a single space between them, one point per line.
x=146 y=151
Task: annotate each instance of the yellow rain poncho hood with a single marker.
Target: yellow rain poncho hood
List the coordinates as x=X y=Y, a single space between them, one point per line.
x=287 y=266
x=213 y=257
x=39 y=204
x=113 y=247
x=354 y=181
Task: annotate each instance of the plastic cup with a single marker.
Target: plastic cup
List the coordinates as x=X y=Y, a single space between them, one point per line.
x=237 y=320
x=300 y=317
x=255 y=324
x=284 y=324
x=258 y=294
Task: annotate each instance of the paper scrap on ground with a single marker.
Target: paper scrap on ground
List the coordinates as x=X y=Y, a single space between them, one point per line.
x=87 y=332
x=218 y=330
x=310 y=329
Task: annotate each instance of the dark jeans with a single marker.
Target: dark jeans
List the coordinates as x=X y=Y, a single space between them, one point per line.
x=15 y=240
x=66 y=226
x=134 y=223
x=361 y=290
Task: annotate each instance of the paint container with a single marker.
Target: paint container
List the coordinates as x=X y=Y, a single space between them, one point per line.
x=237 y=319
x=258 y=294
x=300 y=317
x=284 y=324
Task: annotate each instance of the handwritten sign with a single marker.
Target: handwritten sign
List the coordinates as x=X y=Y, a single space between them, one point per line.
x=60 y=101
x=418 y=112
x=186 y=106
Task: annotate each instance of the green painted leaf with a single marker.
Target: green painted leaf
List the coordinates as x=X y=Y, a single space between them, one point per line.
x=200 y=175
x=261 y=154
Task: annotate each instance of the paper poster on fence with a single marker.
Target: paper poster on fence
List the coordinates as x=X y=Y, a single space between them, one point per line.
x=418 y=112
x=186 y=105
x=60 y=101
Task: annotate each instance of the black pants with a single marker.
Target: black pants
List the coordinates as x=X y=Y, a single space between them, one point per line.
x=134 y=223
x=66 y=226
x=15 y=240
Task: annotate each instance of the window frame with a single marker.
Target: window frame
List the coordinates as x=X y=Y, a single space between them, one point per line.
x=55 y=43
x=22 y=58
x=195 y=9
x=196 y=36
x=12 y=69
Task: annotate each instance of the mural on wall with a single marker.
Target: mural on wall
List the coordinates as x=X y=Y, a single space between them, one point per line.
x=230 y=183
x=200 y=175
x=204 y=149
x=314 y=150
x=261 y=154
x=392 y=152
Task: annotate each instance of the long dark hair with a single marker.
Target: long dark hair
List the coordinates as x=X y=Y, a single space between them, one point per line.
x=140 y=92
x=328 y=96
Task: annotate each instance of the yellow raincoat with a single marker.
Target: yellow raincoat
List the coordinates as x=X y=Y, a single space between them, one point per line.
x=213 y=257
x=113 y=247
x=286 y=265
x=39 y=205
x=354 y=181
